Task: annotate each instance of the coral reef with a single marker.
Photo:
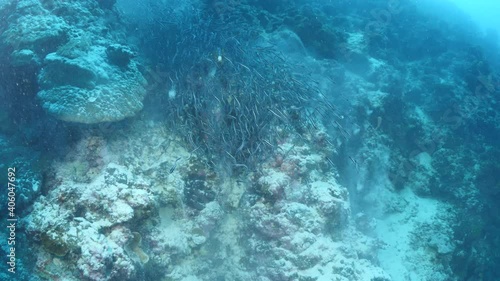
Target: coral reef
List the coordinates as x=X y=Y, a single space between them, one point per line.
x=88 y=223
x=84 y=75
x=301 y=234
x=134 y=218
x=281 y=140
x=28 y=172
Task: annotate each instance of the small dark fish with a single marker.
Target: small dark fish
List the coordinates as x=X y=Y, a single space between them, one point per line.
x=330 y=161
x=175 y=165
x=355 y=163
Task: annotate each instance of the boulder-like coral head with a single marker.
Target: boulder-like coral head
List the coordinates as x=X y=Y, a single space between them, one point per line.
x=89 y=88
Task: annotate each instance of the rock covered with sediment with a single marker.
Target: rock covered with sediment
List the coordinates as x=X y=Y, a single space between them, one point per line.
x=89 y=223
x=116 y=209
x=301 y=229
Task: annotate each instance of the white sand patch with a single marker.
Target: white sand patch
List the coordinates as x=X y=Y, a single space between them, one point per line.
x=409 y=254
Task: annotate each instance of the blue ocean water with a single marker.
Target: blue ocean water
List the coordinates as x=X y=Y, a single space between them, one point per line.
x=269 y=140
